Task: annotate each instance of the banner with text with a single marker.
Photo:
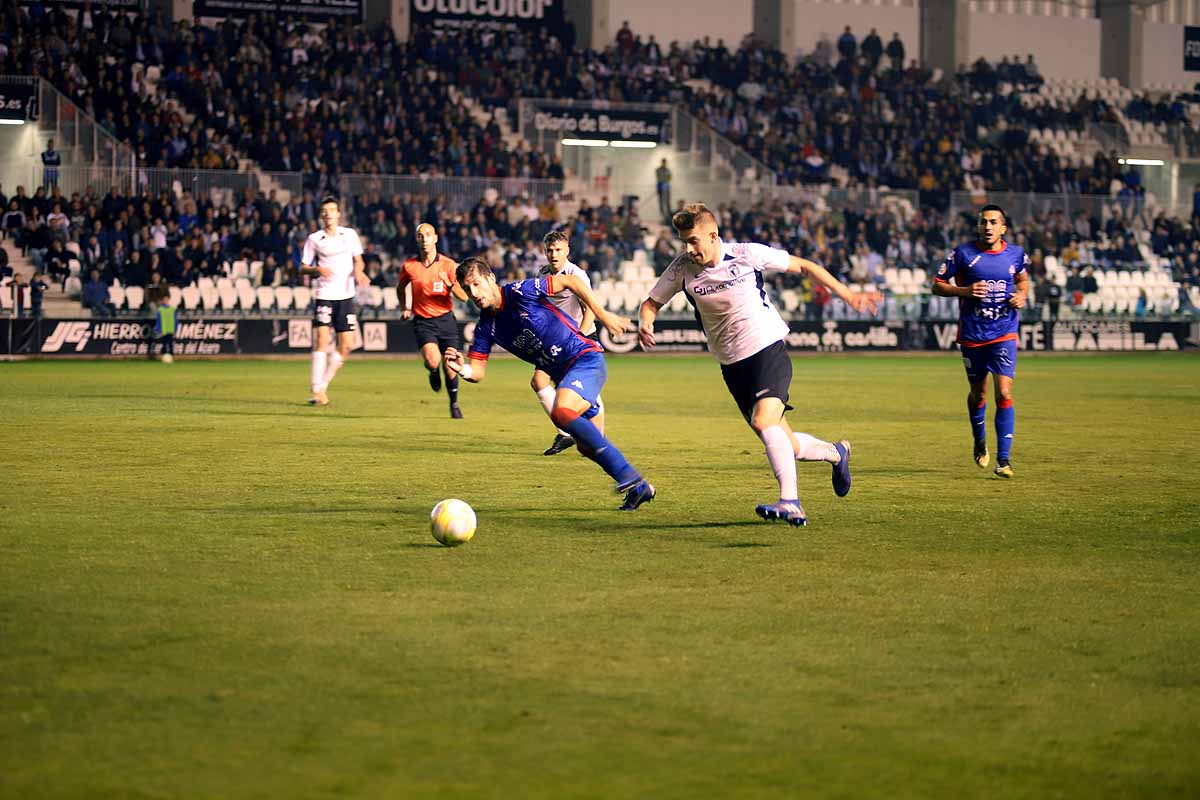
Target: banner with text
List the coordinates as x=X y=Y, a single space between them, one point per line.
x=594 y=123
x=315 y=10
x=18 y=101
x=217 y=337
x=1191 y=48
x=488 y=14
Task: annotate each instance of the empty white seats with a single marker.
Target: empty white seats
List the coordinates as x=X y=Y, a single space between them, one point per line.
x=374 y=296
x=174 y=296
x=228 y=296
x=266 y=298
x=116 y=295
x=191 y=297
x=210 y=297
x=239 y=269
x=302 y=296
x=283 y=298
x=246 y=296
x=224 y=283
x=135 y=296
x=391 y=300
x=205 y=282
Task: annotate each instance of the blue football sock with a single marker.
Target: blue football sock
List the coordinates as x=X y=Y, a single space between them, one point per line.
x=1005 y=425
x=591 y=443
x=978 y=420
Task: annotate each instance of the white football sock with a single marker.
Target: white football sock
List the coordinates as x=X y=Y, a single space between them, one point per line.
x=546 y=396
x=782 y=459
x=810 y=448
x=319 y=358
x=335 y=363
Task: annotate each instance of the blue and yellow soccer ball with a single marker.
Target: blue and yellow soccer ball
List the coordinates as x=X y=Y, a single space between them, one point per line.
x=452 y=522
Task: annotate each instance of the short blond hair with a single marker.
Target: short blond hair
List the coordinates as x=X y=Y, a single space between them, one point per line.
x=692 y=215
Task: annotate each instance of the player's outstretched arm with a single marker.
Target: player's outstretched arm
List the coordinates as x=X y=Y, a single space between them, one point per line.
x=615 y=325
x=360 y=272
x=472 y=372
x=867 y=302
x=646 y=316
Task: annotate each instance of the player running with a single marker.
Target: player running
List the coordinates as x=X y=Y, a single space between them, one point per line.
x=990 y=280
x=558 y=250
x=723 y=282
x=520 y=318
x=337 y=254
x=433 y=283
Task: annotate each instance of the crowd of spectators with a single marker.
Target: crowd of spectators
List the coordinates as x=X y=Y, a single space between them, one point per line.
x=168 y=240
x=350 y=98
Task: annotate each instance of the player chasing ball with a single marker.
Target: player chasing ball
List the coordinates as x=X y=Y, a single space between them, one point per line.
x=724 y=283
x=337 y=254
x=557 y=249
x=521 y=318
x=990 y=280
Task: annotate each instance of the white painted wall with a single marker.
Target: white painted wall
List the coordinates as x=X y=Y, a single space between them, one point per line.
x=1162 y=55
x=730 y=20
x=20 y=146
x=1062 y=47
x=816 y=21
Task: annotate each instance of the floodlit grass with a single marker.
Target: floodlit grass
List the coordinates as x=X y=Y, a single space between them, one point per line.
x=209 y=589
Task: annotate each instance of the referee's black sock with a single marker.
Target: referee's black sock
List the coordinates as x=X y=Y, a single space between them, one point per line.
x=452 y=389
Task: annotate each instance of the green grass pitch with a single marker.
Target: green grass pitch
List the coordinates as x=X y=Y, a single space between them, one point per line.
x=209 y=589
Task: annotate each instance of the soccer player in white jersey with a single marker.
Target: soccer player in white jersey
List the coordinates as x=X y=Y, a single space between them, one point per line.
x=723 y=282
x=558 y=251
x=334 y=255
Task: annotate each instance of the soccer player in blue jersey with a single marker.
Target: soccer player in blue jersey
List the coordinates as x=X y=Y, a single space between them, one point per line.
x=990 y=280
x=521 y=318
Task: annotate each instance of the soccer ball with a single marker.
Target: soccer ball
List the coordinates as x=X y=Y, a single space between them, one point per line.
x=453 y=522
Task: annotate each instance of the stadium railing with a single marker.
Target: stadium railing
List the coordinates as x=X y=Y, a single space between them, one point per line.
x=222 y=186
x=78 y=137
x=459 y=194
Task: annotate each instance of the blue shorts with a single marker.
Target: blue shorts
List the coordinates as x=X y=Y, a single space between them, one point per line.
x=586 y=378
x=998 y=358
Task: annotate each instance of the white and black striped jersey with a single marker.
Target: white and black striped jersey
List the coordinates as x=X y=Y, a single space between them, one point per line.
x=729 y=299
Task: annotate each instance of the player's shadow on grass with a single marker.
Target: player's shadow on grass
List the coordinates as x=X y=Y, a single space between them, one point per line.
x=743 y=545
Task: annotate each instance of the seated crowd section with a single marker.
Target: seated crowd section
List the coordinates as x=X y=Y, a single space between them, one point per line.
x=348 y=99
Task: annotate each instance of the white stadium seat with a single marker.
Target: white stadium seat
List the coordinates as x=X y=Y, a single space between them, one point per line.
x=116 y=296
x=246 y=296
x=191 y=298
x=302 y=297
x=391 y=300
x=266 y=298
x=283 y=298
x=135 y=296
x=229 y=297
x=210 y=297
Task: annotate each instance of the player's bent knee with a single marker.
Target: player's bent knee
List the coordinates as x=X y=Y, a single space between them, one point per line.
x=562 y=417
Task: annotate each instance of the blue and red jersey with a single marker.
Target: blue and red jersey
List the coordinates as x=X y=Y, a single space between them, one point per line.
x=983 y=320
x=528 y=325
